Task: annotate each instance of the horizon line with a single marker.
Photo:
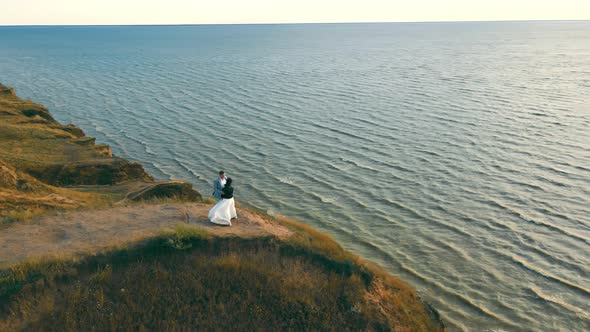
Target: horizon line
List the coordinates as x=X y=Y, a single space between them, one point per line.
x=289 y=23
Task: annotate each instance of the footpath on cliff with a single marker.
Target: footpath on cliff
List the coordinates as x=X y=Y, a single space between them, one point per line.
x=87 y=232
x=62 y=195
x=70 y=211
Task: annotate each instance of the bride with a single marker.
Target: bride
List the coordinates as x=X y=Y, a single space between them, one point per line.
x=225 y=210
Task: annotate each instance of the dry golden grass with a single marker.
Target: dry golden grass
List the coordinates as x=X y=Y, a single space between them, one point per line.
x=87 y=232
x=277 y=274
x=187 y=280
x=23 y=197
x=33 y=142
x=38 y=155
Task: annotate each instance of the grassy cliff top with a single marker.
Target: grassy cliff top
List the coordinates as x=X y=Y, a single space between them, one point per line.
x=33 y=142
x=43 y=165
x=78 y=251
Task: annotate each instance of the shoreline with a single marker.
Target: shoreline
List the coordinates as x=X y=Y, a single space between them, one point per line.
x=81 y=176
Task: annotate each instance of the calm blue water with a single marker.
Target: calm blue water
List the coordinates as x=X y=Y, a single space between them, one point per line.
x=456 y=155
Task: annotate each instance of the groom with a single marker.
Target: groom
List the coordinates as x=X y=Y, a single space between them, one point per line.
x=218 y=185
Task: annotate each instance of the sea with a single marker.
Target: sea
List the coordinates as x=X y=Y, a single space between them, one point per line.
x=455 y=155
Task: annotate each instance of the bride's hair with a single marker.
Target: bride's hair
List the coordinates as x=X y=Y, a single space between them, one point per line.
x=228 y=182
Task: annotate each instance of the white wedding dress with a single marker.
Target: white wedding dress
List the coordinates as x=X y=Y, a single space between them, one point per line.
x=223 y=212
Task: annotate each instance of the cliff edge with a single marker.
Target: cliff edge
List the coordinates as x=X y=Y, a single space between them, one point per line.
x=90 y=241
x=42 y=162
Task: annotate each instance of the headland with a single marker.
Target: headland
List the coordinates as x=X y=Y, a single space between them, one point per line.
x=89 y=240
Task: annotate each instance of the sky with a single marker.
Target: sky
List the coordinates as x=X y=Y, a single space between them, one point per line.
x=91 y=12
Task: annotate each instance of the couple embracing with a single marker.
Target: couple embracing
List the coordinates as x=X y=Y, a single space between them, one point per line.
x=225 y=210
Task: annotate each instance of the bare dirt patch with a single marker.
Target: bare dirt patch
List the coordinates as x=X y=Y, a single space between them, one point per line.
x=87 y=232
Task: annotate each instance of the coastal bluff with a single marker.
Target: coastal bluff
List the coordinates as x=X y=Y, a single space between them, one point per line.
x=39 y=156
x=91 y=241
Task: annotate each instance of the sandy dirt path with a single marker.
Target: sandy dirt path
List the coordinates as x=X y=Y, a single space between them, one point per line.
x=90 y=231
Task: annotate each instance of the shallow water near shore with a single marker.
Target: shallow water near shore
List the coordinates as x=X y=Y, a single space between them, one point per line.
x=456 y=155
